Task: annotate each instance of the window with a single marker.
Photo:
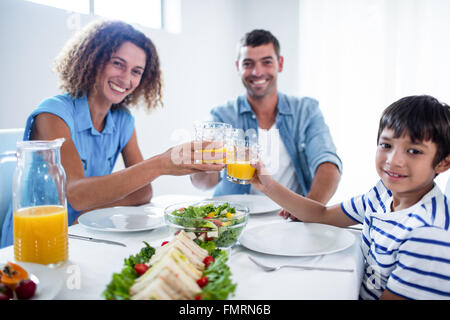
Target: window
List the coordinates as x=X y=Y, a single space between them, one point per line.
x=147 y=13
x=71 y=5
x=144 y=12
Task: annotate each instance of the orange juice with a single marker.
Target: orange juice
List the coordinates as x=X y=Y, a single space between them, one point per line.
x=240 y=170
x=40 y=234
x=210 y=155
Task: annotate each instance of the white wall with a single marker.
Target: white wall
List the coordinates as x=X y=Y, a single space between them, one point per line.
x=197 y=64
x=359 y=56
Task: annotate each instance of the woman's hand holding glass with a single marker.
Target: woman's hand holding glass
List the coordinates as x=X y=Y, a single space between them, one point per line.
x=183 y=159
x=214 y=135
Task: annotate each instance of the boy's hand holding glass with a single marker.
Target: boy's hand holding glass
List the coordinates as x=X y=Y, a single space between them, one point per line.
x=262 y=178
x=241 y=154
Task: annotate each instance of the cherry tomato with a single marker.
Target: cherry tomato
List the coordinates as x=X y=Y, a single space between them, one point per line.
x=141 y=268
x=202 y=281
x=198 y=297
x=25 y=289
x=208 y=260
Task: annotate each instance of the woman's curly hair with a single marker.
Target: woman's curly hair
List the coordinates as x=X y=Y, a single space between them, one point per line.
x=88 y=52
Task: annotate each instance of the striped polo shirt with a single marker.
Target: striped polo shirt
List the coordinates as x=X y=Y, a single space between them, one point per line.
x=406 y=251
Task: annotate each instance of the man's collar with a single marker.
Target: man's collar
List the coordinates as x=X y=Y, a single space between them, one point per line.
x=282 y=105
x=245 y=105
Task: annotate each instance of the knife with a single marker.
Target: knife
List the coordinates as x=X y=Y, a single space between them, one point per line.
x=74 y=236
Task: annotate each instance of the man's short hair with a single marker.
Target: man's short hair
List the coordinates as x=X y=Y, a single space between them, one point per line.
x=423 y=118
x=257 y=38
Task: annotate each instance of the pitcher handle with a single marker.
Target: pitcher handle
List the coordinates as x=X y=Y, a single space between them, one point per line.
x=8 y=156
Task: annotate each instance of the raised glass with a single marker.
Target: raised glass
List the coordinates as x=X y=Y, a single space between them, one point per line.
x=214 y=133
x=241 y=154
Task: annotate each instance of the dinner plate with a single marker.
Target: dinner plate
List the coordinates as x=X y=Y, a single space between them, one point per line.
x=164 y=201
x=123 y=219
x=48 y=281
x=257 y=204
x=296 y=239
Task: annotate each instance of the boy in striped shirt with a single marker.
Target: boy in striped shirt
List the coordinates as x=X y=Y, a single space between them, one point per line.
x=405 y=216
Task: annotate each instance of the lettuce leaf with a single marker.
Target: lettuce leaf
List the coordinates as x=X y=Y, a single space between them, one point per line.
x=219 y=285
x=119 y=287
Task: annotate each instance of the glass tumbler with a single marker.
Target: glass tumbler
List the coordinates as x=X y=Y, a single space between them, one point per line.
x=239 y=161
x=212 y=132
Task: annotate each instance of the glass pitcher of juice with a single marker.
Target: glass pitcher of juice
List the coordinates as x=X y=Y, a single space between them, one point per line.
x=39 y=204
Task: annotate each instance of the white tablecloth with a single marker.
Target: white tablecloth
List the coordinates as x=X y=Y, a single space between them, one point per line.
x=91 y=265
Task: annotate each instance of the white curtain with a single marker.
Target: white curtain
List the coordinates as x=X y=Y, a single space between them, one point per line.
x=359 y=56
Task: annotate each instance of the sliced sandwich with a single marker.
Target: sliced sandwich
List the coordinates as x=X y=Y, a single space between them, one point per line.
x=169 y=283
x=173 y=273
x=187 y=247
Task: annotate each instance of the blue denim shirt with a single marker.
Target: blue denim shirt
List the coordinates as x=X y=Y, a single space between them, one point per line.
x=302 y=129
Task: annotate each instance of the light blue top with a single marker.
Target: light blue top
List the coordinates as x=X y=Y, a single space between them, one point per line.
x=98 y=150
x=405 y=251
x=302 y=129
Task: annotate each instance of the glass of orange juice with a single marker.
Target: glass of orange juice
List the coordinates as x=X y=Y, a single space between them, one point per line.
x=240 y=159
x=215 y=133
x=39 y=204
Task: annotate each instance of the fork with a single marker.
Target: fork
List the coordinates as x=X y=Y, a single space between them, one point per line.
x=276 y=268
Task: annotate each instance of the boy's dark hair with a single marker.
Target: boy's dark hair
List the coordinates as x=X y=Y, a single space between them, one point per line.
x=257 y=38
x=423 y=118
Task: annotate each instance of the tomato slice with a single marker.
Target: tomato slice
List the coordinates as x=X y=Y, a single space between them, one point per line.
x=208 y=260
x=141 y=268
x=203 y=281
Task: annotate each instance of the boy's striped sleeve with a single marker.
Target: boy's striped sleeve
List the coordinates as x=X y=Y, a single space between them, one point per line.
x=423 y=268
x=355 y=208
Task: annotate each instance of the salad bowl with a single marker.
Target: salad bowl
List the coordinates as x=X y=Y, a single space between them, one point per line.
x=219 y=221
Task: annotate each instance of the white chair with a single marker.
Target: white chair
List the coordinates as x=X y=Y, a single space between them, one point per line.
x=8 y=140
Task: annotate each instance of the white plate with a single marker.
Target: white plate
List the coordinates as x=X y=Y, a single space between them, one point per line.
x=257 y=204
x=164 y=201
x=123 y=219
x=296 y=239
x=48 y=281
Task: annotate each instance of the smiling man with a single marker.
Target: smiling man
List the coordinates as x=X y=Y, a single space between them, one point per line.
x=296 y=143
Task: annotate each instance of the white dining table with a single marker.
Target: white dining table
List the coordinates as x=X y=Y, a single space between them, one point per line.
x=85 y=275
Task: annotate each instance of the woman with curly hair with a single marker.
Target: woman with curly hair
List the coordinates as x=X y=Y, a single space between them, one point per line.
x=105 y=68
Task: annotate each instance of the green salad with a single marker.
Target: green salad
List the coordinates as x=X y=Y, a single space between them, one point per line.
x=219 y=286
x=119 y=287
x=219 y=223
